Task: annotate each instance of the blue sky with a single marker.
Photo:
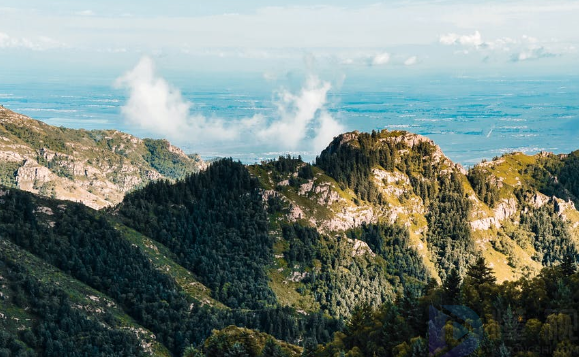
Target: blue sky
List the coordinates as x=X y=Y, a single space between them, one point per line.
x=268 y=36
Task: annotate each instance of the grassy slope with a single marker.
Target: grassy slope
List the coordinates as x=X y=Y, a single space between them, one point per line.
x=164 y=261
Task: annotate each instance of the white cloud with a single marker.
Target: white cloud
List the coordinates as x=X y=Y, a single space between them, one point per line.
x=473 y=40
x=516 y=49
x=300 y=121
x=41 y=43
x=531 y=54
x=411 y=61
x=380 y=59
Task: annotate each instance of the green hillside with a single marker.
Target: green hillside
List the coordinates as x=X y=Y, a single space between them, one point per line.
x=344 y=255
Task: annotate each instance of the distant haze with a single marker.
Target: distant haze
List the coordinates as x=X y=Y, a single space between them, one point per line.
x=249 y=79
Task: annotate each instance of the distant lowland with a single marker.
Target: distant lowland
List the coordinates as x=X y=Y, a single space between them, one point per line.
x=115 y=245
x=471 y=118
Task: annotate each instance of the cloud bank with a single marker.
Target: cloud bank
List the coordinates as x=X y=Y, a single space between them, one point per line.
x=300 y=120
x=41 y=43
x=473 y=40
x=519 y=49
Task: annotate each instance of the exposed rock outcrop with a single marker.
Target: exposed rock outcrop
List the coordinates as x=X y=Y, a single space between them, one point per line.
x=94 y=167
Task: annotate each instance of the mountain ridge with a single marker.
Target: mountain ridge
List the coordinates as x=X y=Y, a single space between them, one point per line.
x=96 y=167
x=288 y=248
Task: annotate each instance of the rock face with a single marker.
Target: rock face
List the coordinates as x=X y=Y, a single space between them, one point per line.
x=96 y=167
x=333 y=207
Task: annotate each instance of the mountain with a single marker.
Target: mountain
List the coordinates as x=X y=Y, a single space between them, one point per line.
x=96 y=167
x=342 y=255
x=404 y=179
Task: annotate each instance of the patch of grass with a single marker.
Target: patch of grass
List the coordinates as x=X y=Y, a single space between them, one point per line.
x=262 y=175
x=287 y=291
x=509 y=168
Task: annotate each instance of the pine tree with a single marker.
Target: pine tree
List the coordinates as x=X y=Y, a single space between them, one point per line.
x=568 y=266
x=451 y=287
x=236 y=350
x=419 y=348
x=310 y=347
x=510 y=324
x=480 y=273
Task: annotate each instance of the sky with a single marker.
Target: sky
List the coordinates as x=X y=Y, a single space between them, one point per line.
x=150 y=49
x=266 y=36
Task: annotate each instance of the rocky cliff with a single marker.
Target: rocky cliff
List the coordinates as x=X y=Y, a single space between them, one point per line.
x=333 y=202
x=94 y=167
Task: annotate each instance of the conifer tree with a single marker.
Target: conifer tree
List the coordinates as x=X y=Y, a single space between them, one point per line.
x=480 y=273
x=568 y=266
x=451 y=287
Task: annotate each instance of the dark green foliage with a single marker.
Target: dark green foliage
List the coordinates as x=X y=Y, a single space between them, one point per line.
x=169 y=164
x=62 y=330
x=285 y=164
x=55 y=141
x=486 y=190
x=10 y=345
x=557 y=176
x=351 y=164
x=275 y=204
x=449 y=230
x=549 y=232
x=271 y=349
x=480 y=273
x=8 y=173
x=91 y=250
x=310 y=347
x=216 y=224
x=289 y=168
x=568 y=264
x=392 y=242
x=340 y=279
x=451 y=287
x=233 y=341
x=192 y=352
x=569 y=173
x=303 y=244
x=529 y=317
x=88 y=248
x=377 y=331
x=221 y=346
x=306 y=172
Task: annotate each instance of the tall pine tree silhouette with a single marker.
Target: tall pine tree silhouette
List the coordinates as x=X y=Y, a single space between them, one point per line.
x=480 y=273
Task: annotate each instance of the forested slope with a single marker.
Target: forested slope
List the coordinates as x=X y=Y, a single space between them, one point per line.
x=341 y=255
